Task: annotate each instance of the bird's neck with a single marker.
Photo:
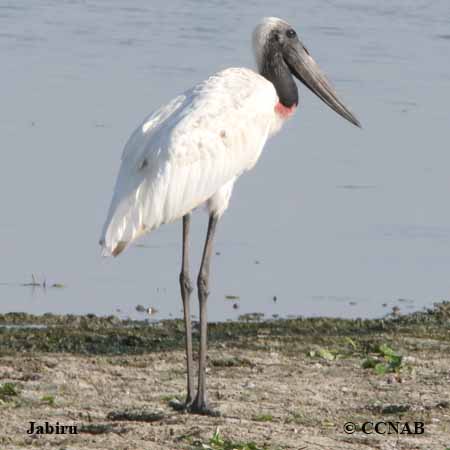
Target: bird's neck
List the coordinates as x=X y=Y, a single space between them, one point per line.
x=274 y=69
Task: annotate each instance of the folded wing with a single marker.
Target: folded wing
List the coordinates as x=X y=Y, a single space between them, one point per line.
x=187 y=150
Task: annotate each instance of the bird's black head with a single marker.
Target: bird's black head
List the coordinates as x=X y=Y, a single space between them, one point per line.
x=280 y=54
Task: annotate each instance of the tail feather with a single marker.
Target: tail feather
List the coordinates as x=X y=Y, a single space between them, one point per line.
x=125 y=226
x=119 y=248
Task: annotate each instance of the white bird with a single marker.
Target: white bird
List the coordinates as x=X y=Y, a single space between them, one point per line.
x=191 y=151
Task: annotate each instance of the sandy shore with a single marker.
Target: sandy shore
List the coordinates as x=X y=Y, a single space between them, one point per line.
x=288 y=384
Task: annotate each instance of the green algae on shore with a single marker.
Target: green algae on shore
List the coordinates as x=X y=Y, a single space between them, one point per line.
x=91 y=334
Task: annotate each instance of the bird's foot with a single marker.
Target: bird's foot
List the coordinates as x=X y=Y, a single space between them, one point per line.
x=178 y=405
x=198 y=407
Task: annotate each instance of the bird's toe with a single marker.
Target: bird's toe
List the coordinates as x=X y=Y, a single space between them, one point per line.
x=177 y=405
x=203 y=409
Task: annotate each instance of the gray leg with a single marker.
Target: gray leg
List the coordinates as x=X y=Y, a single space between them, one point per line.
x=200 y=404
x=186 y=289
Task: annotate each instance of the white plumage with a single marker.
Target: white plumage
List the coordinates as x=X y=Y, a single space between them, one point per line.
x=190 y=152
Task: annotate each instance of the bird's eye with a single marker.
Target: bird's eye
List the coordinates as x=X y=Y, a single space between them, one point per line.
x=291 y=33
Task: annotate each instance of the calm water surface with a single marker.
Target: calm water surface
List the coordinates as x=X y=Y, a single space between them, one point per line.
x=332 y=221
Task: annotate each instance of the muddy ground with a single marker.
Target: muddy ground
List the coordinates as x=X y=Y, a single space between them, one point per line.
x=285 y=384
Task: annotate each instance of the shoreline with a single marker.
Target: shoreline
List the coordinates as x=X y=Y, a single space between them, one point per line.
x=279 y=384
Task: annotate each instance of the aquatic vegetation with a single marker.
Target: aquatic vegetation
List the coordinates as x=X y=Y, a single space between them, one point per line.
x=328 y=338
x=231 y=362
x=385 y=360
x=8 y=391
x=217 y=442
x=101 y=428
x=42 y=284
x=263 y=418
x=48 y=399
x=323 y=353
x=136 y=415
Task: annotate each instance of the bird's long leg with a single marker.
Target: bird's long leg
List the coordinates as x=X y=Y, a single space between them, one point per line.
x=200 y=404
x=186 y=289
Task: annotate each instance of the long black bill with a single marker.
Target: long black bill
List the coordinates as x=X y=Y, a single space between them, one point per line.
x=302 y=65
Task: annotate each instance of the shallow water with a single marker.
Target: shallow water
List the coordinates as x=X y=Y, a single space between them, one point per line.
x=332 y=221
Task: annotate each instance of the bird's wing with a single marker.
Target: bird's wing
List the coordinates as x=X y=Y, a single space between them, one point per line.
x=184 y=152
